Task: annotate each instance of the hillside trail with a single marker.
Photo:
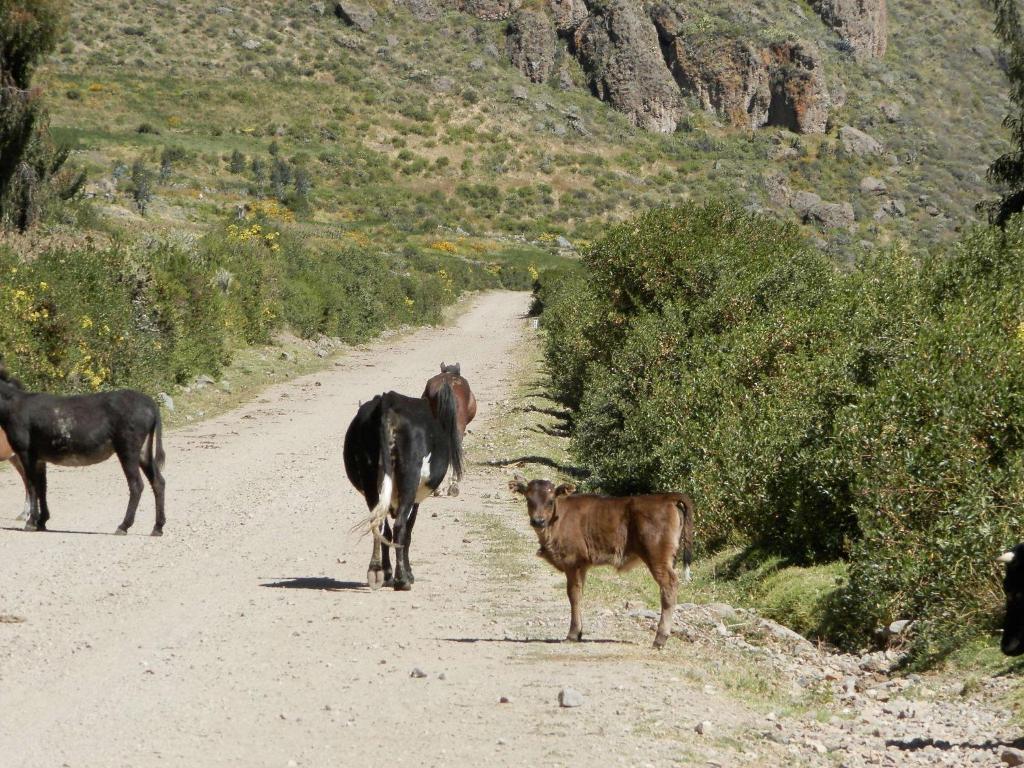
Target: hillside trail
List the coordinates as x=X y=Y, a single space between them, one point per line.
x=246 y=635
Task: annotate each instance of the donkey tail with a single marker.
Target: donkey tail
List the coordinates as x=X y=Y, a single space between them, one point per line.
x=684 y=504
x=155 y=447
x=447 y=415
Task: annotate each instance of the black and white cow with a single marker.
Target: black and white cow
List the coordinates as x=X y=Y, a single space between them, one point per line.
x=78 y=430
x=396 y=453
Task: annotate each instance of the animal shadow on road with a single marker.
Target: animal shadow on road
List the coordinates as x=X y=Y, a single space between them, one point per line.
x=519 y=461
x=544 y=640
x=923 y=742
x=21 y=529
x=321 y=583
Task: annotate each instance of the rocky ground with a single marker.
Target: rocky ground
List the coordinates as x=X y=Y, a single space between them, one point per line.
x=246 y=636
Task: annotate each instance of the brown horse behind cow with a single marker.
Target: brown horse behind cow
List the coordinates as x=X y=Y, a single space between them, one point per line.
x=465 y=402
x=7 y=454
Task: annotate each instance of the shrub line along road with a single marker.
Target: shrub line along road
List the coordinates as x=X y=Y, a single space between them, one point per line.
x=246 y=635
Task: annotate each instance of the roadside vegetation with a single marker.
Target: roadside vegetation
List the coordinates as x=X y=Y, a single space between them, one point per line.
x=864 y=423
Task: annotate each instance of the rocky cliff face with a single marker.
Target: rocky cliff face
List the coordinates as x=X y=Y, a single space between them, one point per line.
x=861 y=23
x=531 y=44
x=619 y=50
x=782 y=84
x=645 y=60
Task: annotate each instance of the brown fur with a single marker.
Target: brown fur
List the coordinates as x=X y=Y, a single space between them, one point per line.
x=465 y=401
x=7 y=454
x=577 y=532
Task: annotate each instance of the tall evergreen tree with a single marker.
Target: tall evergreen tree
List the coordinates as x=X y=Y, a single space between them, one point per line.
x=1007 y=171
x=29 y=29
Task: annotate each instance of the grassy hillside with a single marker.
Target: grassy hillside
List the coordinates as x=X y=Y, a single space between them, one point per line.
x=410 y=126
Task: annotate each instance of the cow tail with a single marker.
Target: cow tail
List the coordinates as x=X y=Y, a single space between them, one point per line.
x=387 y=474
x=684 y=504
x=447 y=415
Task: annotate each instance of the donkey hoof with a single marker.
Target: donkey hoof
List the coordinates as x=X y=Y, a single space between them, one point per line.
x=375 y=579
x=402 y=586
x=33 y=527
x=659 y=642
x=157 y=532
x=120 y=531
x=453 y=490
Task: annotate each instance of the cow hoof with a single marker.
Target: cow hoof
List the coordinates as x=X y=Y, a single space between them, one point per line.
x=403 y=586
x=33 y=527
x=374 y=579
x=453 y=490
x=574 y=637
x=659 y=642
x=120 y=532
x=157 y=532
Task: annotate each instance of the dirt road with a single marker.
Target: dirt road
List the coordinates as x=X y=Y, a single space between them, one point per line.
x=246 y=636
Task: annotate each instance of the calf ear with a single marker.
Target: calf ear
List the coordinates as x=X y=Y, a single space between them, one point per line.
x=517 y=484
x=565 y=489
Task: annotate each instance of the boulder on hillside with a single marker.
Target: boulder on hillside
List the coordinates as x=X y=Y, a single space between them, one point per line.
x=531 y=44
x=830 y=215
x=621 y=56
x=856 y=142
x=861 y=23
x=362 y=17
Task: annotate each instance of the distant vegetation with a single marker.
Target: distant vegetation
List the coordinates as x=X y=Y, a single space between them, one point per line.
x=871 y=415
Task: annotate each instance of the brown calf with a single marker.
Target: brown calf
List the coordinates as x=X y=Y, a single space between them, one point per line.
x=7 y=454
x=577 y=532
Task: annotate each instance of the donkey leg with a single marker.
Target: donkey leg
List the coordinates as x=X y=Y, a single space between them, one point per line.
x=130 y=465
x=27 y=508
x=156 y=482
x=36 y=484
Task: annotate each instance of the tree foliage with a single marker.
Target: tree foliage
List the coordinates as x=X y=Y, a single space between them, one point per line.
x=1007 y=171
x=28 y=157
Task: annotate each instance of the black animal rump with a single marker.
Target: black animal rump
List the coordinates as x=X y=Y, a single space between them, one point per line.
x=396 y=453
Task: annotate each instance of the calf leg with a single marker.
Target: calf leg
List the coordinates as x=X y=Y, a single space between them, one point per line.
x=668 y=582
x=156 y=482
x=574 y=580
x=130 y=465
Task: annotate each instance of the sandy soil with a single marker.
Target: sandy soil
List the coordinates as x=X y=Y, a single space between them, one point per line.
x=246 y=635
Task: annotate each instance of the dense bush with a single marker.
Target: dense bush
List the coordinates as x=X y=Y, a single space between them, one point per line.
x=872 y=414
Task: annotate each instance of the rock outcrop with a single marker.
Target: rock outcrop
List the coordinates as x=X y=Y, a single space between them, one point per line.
x=531 y=44
x=620 y=53
x=422 y=10
x=863 y=24
x=780 y=85
x=568 y=15
x=856 y=142
x=799 y=96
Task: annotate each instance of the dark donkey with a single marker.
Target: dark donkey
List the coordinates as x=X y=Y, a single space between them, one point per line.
x=79 y=430
x=465 y=402
x=396 y=453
